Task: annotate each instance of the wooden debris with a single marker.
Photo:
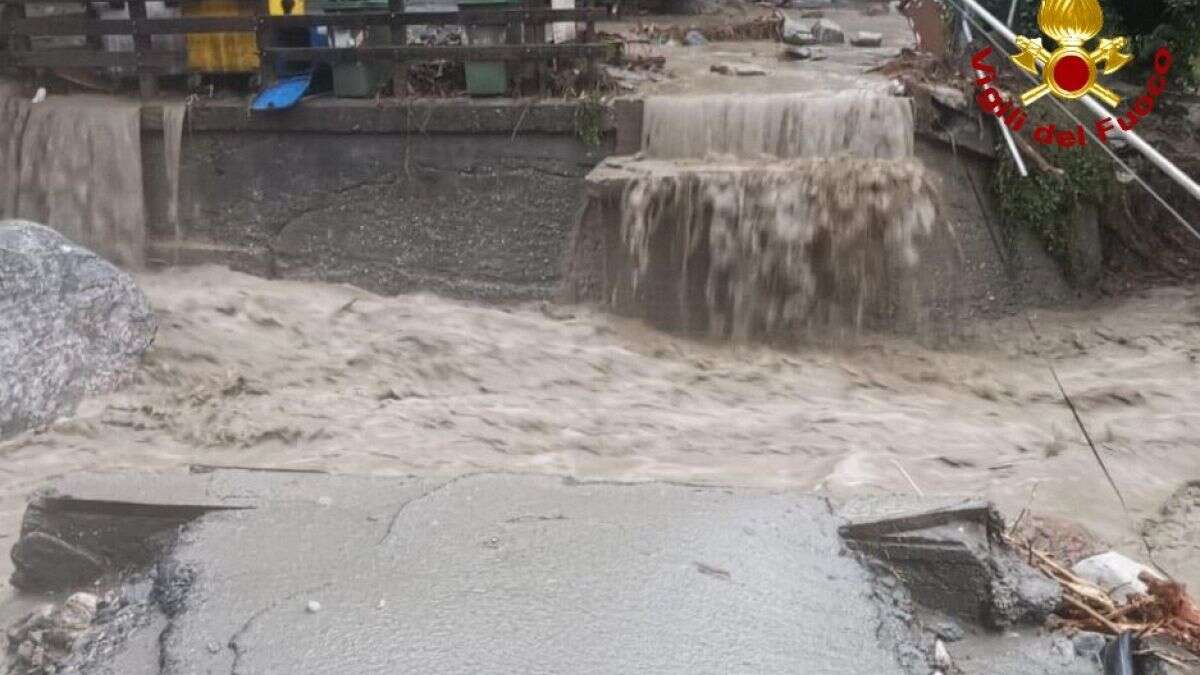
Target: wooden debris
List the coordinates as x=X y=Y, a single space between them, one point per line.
x=1165 y=610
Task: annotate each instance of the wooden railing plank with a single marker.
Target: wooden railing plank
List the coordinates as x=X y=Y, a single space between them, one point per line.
x=264 y=37
x=142 y=43
x=518 y=52
x=82 y=58
x=398 y=35
x=53 y=25
x=72 y=25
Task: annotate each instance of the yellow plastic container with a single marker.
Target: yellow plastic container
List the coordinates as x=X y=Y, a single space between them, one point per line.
x=226 y=52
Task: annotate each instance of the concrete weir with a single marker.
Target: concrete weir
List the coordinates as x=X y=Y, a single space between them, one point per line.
x=249 y=571
x=858 y=168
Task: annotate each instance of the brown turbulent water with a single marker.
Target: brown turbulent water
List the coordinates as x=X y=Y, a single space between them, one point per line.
x=276 y=373
x=305 y=375
x=794 y=213
x=784 y=248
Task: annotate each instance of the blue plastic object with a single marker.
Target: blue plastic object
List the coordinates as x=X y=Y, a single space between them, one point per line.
x=284 y=94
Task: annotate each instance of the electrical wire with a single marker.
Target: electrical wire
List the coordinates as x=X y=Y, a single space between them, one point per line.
x=1062 y=390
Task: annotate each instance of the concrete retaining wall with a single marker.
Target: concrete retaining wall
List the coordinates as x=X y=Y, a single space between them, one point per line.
x=477 y=198
x=468 y=199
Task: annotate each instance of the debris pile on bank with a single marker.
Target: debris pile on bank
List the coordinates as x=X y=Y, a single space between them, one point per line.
x=1143 y=603
x=46 y=637
x=961 y=562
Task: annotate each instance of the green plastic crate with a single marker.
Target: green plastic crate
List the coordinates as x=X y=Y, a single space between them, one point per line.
x=486 y=78
x=363 y=79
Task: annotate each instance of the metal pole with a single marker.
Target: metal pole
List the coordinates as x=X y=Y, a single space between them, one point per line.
x=1008 y=137
x=1100 y=111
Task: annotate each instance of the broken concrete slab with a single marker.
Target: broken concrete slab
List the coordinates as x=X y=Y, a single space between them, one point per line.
x=953 y=560
x=798 y=33
x=510 y=574
x=84 y=528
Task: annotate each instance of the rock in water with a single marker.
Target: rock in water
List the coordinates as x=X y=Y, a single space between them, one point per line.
x=866 y=39
x=797 y=34
x=73 y=325
x=828 y=32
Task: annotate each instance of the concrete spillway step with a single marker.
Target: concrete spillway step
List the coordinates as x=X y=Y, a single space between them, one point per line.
x=793 y=216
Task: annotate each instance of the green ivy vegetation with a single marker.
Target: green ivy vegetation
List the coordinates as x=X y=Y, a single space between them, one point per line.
x=1045 y=202
x=589 y=118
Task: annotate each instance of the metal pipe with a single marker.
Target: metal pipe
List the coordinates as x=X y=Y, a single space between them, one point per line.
x=1012 y=148
x=1100 y=111
x=1008 y=139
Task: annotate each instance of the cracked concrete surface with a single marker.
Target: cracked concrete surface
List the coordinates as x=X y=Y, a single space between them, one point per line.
x=510 y=573
x=650 y=578
x=469 y=215
x=505 y=573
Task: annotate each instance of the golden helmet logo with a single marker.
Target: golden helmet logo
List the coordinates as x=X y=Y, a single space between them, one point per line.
x=1070 y=71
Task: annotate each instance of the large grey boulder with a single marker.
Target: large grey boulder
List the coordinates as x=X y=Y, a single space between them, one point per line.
x=71 y=324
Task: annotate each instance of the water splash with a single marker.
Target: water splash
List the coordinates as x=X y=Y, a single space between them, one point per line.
x=779 y=216
x=781 y=249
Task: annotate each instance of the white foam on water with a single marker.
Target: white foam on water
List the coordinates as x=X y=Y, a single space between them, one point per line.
x=782 y=248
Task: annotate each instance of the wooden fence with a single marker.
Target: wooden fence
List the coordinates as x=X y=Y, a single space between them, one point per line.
x=524 y=37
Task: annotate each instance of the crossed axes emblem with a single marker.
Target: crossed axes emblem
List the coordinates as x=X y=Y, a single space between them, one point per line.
x=1070 y=70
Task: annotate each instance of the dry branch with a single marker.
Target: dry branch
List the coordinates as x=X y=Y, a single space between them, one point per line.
x=1165 y=609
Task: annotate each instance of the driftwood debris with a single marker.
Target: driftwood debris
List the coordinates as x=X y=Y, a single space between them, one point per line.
x=1165 y=610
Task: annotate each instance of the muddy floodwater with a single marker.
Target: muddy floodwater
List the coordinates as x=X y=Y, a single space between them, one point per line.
x=247 y=371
